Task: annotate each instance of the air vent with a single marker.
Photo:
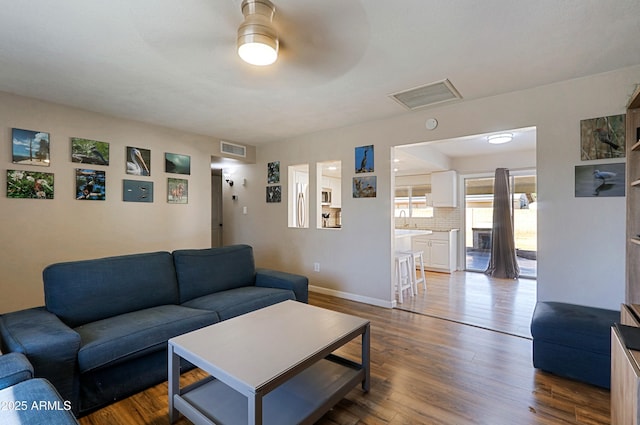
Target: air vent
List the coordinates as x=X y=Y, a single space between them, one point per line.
x=427 y=95
x=233 y=149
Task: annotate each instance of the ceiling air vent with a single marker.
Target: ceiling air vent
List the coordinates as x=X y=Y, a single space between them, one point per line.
x=427 y=95
x=233 y=149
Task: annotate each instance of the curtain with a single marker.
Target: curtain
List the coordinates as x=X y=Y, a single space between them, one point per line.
x=502 y=262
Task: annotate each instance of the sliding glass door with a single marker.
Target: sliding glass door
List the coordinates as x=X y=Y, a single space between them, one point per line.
x=479 y=221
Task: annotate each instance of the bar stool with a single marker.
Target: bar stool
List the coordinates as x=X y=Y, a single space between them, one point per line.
x=403 y=275
x=415 y=257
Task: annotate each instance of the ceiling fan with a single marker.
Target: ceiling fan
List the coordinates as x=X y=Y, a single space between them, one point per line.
x=317 y=40
x=257 y=38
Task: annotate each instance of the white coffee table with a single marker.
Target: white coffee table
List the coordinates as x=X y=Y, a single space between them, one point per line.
x=271 y=366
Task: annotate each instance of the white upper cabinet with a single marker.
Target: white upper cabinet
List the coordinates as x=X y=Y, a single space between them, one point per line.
x=444 y=189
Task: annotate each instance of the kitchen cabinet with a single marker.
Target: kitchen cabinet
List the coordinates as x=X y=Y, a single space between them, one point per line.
x=335 y=186
x=336 y=192
x=439 y=250
x=444 y=189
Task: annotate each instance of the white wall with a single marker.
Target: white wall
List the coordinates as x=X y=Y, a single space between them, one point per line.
x=356 y=261
x=479 y=164
x=36 y=233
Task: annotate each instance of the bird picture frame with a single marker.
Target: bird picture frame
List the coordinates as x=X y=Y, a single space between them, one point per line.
x=602 y=138
x=365 y=187
x=137 y=191
x=91 y=185
x=364 y=159
x=600 y=180
x=87 y=151
x=138 y=161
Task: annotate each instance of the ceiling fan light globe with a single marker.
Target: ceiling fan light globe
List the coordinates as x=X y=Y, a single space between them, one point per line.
x=257 y=38
x=258 y=53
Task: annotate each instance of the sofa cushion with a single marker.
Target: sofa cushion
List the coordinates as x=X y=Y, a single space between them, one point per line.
x=127 y=336
x=235 y=302
x=204 y=271
x=80 y=292
x=14 y=368
x=35 y=402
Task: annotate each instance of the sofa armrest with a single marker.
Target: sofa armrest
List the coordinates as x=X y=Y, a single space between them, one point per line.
x=50 y=345
x=14 y=368
x=274 y=279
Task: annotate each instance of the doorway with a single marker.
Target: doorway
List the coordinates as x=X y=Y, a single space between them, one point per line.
x=466 y=296
x=216 y=207
x=478 y=197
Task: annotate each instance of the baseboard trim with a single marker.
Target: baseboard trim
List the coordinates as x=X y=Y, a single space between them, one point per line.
x=352 y=297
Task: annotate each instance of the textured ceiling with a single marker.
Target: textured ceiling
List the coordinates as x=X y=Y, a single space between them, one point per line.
x=174 y=63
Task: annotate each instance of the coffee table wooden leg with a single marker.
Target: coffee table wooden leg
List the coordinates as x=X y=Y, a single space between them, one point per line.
x=174 y=383
x=255 y=409
x=366 y=357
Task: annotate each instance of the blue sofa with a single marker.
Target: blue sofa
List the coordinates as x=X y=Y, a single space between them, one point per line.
x=102 y=334
x=28 y=400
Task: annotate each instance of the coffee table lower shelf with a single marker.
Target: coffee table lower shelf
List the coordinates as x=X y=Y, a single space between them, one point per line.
x=303 y=399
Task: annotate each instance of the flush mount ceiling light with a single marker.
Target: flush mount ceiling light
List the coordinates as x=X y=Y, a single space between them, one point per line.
x=498 y=139
x=257 y=39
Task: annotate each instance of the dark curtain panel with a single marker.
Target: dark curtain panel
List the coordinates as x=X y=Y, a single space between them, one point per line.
x=503 y=262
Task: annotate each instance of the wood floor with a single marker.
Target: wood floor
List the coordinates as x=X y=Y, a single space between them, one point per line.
x=503 y=305
x=425 y=370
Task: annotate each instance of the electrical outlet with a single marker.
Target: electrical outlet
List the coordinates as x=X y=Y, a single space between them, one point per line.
x=316 y=267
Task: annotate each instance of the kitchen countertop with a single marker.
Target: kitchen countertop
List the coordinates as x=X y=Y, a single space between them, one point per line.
x=403 y=233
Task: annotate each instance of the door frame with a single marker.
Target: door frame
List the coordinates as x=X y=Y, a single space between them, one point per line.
x=462 y=248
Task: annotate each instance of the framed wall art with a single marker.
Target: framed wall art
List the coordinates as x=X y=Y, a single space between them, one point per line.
x=602 y=138
x=274 y=194
x=29 y=184
x=364 y=187
x=137 y=191
x=273 y=172
x=177 y=164
x=138 y=161
x=177 y=191
x=90 y=184
x=600 y=180
x=30 y=147
x=364 y=159
x=88 y=151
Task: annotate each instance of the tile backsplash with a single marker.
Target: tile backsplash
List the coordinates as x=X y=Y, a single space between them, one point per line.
x=443 y=219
